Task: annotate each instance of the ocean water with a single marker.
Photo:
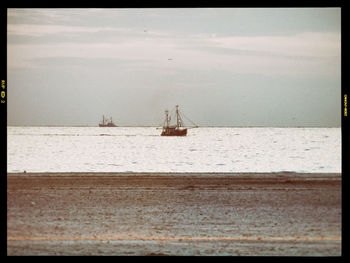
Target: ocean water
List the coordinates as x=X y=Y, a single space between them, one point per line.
x=139 y=149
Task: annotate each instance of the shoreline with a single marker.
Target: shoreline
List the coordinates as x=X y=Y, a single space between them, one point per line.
x=260 y=175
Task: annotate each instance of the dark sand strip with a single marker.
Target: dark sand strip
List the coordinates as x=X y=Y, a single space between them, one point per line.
x=174 y=214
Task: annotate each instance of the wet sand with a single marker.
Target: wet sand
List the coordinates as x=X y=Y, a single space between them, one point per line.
x=277 y=214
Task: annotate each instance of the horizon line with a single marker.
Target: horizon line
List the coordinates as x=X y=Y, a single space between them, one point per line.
x=153 y=126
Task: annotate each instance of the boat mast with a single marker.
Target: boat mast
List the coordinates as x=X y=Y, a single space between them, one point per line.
x=177 y=117
x=167 y=118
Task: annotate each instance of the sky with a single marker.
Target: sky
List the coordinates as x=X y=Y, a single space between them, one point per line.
x=278 y=67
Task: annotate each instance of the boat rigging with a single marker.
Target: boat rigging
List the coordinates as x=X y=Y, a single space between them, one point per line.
x=106 y=122
x=175 y=130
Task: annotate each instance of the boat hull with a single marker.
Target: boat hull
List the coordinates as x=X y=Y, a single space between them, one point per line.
x=174 y=132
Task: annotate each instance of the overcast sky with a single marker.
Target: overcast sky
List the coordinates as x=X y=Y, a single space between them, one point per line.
x=222 y=66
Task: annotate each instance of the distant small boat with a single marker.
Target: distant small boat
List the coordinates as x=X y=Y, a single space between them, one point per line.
x=174 y=130
x=106 y=122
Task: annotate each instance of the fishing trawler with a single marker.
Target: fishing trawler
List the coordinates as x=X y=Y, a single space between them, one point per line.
x=174 y=130
x=106 y=122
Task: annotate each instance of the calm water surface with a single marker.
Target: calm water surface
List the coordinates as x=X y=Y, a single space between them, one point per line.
x=126 y=149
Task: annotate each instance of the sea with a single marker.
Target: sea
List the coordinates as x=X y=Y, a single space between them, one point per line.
x=142 y=149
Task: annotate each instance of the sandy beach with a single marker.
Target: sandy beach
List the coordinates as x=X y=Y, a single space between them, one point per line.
x=276 y=214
